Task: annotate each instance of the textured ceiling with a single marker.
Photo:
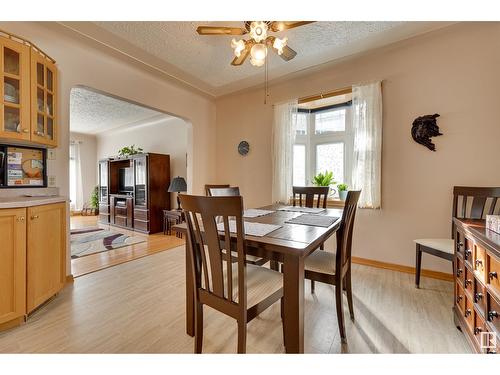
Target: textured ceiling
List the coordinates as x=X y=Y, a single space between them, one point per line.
x=92 y=112
x=203 y=61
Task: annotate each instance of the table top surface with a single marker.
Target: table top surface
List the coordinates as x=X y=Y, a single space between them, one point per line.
x=289 y=238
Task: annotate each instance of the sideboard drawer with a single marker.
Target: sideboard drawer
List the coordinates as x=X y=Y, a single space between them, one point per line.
x=142 y=226
x=493 y=315
x=459 y=243
x=479 y=326
x=468 y=251
x=459 y=270
x=494 y=273
x=480 y=296
x=460 y=298
x=480 y=263
x=469 y=312
x=141 y=215
x=121 y=220
x=469 y=281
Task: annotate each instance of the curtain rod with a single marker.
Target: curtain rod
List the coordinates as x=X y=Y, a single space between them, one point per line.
x=343 y=91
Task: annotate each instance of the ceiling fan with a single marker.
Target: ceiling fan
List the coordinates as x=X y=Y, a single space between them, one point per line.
x=259 y=41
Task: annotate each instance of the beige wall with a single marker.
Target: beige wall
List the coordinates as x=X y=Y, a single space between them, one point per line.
x=83 y=62
x=88 y=156
x=163 y=137
x=454 y=72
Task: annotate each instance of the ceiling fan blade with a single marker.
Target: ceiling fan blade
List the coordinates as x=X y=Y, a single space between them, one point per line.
x=237 y=61
x=288 y=53
x=215 y=30
x=285 y=25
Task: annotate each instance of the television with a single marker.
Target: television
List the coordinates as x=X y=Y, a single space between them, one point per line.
x=126 y=184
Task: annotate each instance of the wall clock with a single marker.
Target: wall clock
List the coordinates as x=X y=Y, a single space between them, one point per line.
x=243 y=148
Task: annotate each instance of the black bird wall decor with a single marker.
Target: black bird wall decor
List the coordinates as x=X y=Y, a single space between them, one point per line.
x=423 y=128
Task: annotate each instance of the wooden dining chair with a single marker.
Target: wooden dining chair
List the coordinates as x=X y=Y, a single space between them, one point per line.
x=232 y=192
x=468 y=203
x=214 y=186
x=334 y=268
x=239 y=290
x=306 y=196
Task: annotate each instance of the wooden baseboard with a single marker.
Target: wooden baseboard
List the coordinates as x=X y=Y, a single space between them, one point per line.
x=406 y=269
x=70 y=279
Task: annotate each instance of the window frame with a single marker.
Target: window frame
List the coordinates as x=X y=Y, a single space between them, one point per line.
x=311 y=140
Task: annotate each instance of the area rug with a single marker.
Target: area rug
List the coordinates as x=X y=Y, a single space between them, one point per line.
x=97 y=240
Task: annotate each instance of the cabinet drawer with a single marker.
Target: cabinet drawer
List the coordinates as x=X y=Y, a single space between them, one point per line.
x=104 y=208
x=479 y=326
x=460 y=298
x=480 y=263
x=494 y=312
x=469 y=312
x=120 y=210
x=494 y=273
x=459 y=269
x=468 y=251
x=469 y=281
x=121 y=220
x=142 y=226
x=459 y=243
x=480 y=296
x=141 y=215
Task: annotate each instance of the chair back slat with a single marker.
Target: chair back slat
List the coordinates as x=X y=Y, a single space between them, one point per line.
x=477 y=208
x=310 y=193
x=214 y=186
x=493 y=205
x=224 y=192
x=345 y=231
x=212 y=249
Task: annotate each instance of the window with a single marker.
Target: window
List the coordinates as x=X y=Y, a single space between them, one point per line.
x=323 y=143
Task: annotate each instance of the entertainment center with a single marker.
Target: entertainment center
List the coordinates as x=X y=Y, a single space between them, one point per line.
x=133 y=191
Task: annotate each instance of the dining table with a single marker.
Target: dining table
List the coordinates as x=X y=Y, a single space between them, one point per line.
x=289 y=245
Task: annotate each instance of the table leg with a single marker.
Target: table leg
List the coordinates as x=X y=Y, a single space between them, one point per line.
x=189 y=296
x=293 y=284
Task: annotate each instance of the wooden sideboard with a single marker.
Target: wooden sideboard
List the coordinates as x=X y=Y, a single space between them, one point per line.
x=477 y=284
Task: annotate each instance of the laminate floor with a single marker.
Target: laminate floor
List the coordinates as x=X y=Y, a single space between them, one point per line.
x=139 y=307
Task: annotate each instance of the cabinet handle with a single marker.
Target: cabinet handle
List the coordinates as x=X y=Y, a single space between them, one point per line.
x=468 y=252
x=468 y=312
x=459 y=298
x=21 y=218
x=459 y=245
x=478 y=330
x=492 y=315
x=459 y=272
x=492 y=275
x=479 y=262
x=468 y=282
x=34 y=217
x=26 y=131
x=478 y=297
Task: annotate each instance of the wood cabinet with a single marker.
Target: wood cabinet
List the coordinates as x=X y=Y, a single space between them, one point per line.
x=32 y=258
x=477 y=290
x=28 y=93
x=12 y=264
x=46 y=253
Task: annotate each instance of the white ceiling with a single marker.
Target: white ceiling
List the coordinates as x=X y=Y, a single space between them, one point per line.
x=204 y=61
x=92 y=112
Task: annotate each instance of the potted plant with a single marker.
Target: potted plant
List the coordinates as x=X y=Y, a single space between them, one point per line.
x=325 y=179
x=129 y=150
x=342 y=191
x=94 y=200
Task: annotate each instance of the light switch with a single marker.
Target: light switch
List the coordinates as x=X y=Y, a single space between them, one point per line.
x=51 y=154
x=52 y=181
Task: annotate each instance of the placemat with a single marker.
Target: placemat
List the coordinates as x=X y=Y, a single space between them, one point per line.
x=254 y=212
x=314 y=220
x=302 y=209
x=251 y=229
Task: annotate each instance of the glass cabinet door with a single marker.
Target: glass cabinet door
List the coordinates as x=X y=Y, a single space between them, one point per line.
x=103 y=182
x=140 y=172
x=43 y=93
x=14 y=90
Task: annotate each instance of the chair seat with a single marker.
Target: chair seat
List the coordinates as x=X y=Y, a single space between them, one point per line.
x=261 y=283
x=321 y=261
x=442 y=244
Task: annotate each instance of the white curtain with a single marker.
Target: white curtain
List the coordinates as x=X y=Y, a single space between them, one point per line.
x=283 y=138
x=367 y=127
x=75 y=177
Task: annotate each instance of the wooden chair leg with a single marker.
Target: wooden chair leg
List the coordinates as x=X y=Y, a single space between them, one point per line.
x=418 y=265
x=242 y=336
x=348 y=289
x=198 y=328
x=340 y=311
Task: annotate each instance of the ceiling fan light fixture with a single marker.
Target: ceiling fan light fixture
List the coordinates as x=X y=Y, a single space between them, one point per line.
x=238 y=46
x=279 y=44
x=258 y=31
x=258 y=51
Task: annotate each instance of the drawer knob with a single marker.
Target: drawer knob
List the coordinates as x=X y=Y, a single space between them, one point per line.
x=493 y=275
x=468 y=282
x=478 y=330
x=459 y=245
x=478 y=297
x=459 y=298
x=459 y=272
x=468 y=252
x=479 y=262
x=33 y=217
x=492 y=315
x=468 y=312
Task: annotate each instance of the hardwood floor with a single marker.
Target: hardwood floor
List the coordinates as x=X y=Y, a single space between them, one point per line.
x=95 y=262
x=138 y=307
